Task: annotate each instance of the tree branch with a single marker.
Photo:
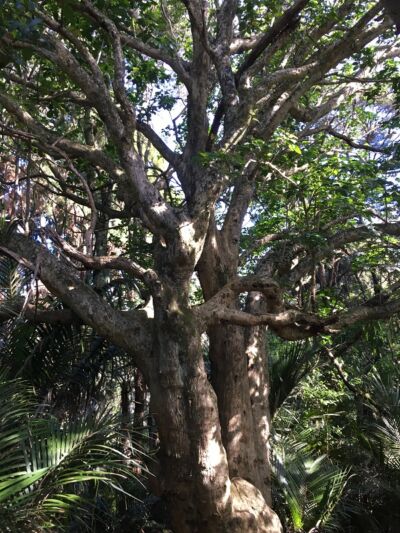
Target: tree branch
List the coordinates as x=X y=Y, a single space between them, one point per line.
x=47 y=137
x=130 y=331
x=169 y=155
x=33 y=314
x=105 y=262
x=354 y=40
x=198 y=93
x=160 y=215
x=287 y=20
x=340 y=239
x=180 y=67
x=290 y=324
x=348 y=140
x=128 y=117
x=293 y=325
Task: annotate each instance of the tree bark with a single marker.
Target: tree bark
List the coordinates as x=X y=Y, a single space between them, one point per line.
x=239 y=377
x=204 y=492
x=231 y=383
x=259 y=388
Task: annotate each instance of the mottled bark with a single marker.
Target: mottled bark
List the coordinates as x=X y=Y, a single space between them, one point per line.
x=238 y=375
x=230 y=381
x=205 y=495
x=259 y=388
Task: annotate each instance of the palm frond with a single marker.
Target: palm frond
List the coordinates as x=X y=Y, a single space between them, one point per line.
x=287 y=369
x=47 y=467
x=312 y=487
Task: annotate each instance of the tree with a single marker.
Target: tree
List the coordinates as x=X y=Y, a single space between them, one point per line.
x=270 y=105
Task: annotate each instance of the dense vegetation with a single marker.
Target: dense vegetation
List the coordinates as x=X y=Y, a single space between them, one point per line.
x=199 y=287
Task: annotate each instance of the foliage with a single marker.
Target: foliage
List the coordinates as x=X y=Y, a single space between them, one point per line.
x=51 y=471
x=355 y=429
x=311 y=488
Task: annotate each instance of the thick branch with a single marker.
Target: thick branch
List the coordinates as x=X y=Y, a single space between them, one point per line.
x=293 y=324
x=289 y=324
x=223 y=298
x=288 y=19
x=106 y=262
x=340 y=239
x=198 y=91
x=131 y=332
x=229 y=82
x=221 y=58
x=128 y=115
x=169 y=155
x=241 y=197
x=350 y=142
x=178 y=66
x=35 y=315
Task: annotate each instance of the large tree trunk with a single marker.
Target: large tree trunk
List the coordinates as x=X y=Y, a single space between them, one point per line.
x=239 y=375
x=198 y=484
x=203 y=472
x=231 y=383
x=259 y=387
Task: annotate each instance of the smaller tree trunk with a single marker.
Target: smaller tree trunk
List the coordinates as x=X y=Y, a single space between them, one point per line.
x=126 y=422
x=139 y=387
x=231 y=383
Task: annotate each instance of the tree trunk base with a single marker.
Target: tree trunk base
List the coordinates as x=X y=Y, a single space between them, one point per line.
x=246 y=512
x=250 y=513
